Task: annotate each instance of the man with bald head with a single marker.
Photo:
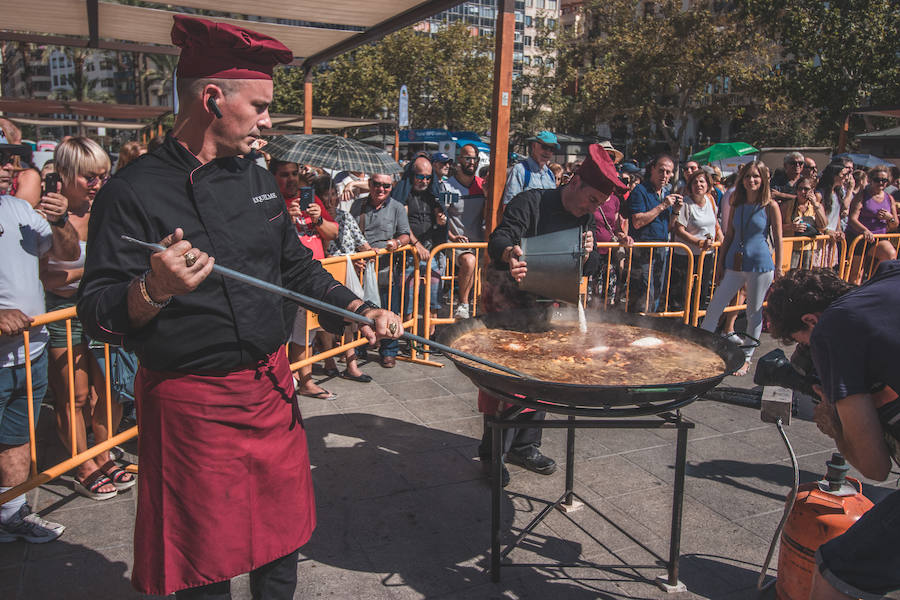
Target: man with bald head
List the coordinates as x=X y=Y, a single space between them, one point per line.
x=427 y=229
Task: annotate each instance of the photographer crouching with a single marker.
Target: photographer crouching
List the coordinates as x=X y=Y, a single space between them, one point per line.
x=854 y=337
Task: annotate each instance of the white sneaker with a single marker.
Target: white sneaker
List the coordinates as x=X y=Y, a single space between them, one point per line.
x=462 y=311
x=28 y=526
x=734 y=338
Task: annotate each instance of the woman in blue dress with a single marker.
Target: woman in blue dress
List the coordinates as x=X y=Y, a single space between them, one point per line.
x=745 y=257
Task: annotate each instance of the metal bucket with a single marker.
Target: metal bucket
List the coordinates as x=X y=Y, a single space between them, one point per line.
x=554 y=265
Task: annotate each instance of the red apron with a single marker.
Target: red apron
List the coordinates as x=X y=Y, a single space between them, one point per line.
x=225 y=481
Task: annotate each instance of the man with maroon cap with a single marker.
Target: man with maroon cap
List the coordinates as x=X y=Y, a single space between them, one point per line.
x=225 y=479
x=537 y=212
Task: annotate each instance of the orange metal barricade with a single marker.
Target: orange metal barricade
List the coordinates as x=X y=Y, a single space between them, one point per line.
x=860 y=262
x=36 y=479
x=805 y=252
x=336 y=265
x=479 y=250
x=658 y=251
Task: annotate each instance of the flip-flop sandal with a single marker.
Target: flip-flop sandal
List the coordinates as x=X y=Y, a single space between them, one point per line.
x=120 y=478
x=323 y=395
x=91 y=484
x=364 y=378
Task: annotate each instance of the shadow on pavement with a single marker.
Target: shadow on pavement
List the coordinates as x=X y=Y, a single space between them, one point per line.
x=409 y=504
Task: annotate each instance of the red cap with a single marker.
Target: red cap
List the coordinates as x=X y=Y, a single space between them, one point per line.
x=599 y=171
x=224 y=51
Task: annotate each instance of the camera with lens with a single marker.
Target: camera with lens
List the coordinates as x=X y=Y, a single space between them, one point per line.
x=796 y=373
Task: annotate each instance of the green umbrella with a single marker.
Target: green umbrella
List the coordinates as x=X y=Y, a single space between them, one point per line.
x=722 y=151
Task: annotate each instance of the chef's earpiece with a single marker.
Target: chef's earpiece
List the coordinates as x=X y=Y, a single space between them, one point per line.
x=211 y=104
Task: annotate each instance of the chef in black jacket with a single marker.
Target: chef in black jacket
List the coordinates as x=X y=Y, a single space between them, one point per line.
x=225 y=481
x=537 y=212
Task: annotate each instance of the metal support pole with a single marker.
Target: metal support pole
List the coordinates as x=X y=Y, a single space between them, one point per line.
x=672 y=584
x=496 y=488
x=570 y=461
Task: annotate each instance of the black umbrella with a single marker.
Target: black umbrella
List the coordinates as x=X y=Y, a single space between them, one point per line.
x=332 y=152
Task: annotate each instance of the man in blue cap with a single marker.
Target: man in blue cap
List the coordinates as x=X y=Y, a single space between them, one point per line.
x=533 y=172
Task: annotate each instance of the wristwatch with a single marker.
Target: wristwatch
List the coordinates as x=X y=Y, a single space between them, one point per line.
x=60 y=222
x=319 y=221
x=362 y=308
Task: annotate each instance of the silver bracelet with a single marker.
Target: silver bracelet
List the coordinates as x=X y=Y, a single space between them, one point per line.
x=142 y=283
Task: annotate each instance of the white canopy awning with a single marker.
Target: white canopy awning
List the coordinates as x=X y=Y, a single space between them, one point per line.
x=318 y=30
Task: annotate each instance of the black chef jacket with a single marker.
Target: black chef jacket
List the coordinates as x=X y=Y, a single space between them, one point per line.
x=230 y=208
x=536 y=212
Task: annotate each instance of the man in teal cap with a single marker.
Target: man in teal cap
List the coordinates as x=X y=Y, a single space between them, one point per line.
x=533 y=172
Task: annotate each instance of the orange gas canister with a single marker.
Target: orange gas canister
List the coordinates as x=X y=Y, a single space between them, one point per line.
x=823 y=510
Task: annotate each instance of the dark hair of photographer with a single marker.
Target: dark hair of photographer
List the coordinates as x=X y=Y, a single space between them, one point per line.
x=801 y=292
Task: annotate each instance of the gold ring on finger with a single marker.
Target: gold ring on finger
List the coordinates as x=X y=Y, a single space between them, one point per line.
x=393 y=328
x=190 y=259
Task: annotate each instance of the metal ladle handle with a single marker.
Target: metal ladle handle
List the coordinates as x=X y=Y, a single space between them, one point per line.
x=347 y=314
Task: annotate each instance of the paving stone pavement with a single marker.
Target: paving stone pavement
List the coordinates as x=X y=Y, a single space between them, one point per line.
x=404 y=512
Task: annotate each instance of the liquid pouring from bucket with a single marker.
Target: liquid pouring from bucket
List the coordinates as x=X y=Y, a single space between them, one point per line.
x=320 y=305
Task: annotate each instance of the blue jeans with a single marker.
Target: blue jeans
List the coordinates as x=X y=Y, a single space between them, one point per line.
x=14 y=399
x=390 y=347
x=440 y=266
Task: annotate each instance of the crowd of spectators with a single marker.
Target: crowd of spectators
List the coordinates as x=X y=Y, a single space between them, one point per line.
x=437 y=199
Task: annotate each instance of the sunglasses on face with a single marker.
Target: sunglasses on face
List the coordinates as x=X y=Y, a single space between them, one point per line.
x=881 y=180
x=797 y=163
x=545 y=147
x=8 y=157
x=421 y=177
x=95 y=179
x=380 y=184
x=468 y=159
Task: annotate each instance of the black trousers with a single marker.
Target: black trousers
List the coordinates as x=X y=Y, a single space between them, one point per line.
x=520 y=440
x=276 y=580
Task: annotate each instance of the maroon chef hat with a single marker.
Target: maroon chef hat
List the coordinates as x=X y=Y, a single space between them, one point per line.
x=224 y=51
x=598 y=171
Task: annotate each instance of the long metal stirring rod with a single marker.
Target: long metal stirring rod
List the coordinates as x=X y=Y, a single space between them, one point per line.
x=347 y=314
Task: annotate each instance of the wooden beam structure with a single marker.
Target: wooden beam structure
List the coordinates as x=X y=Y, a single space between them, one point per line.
x=376 y=32
x=307 y=99
x=500 y=111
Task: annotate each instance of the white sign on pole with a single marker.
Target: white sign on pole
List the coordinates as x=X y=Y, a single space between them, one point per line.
x=403 y=113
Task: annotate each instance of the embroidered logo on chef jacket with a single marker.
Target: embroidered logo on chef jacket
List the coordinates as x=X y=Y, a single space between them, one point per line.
x=264 y=197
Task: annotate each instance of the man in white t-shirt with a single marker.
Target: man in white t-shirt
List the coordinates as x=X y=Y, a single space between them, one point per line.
x=465 y=220
x=25 y=236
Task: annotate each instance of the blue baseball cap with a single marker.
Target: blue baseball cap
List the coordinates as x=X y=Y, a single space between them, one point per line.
x=545 y=137
x=440 y=157
x=630 y=168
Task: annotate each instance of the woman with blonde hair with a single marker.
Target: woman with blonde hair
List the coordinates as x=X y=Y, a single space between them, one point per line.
x=745 y=257
x=83 y=167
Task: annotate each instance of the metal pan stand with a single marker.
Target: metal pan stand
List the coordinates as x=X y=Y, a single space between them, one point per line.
x=589 y=418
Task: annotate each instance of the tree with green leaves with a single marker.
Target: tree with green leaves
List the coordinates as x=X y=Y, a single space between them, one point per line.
x=655 y=64
x=834 y=57
x=448 y=75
